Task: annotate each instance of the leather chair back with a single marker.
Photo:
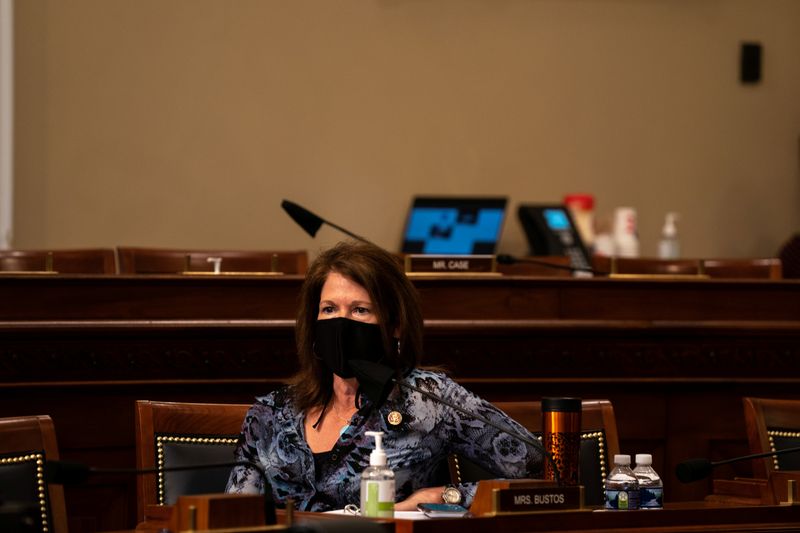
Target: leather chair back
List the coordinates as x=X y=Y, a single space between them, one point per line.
x=87 y=261
x=172 y=434
x=27 y=501
x=772 y=425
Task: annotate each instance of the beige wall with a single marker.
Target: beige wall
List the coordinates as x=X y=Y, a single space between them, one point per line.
x=185 y=122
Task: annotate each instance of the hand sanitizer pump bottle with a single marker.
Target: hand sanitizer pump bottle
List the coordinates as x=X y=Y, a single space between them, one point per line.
x=669 y=247
x=377 y=483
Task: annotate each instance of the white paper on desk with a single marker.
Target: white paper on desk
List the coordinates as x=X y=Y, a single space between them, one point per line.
x=403 y=515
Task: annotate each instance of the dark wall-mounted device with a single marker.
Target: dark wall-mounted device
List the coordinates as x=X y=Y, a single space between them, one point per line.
x=750 y=63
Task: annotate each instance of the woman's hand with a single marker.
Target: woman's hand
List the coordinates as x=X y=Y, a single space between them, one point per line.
x=429 y=495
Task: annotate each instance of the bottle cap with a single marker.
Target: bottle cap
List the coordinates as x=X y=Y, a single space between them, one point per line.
x=644 y=459
x=378 y=455
x=621 y=459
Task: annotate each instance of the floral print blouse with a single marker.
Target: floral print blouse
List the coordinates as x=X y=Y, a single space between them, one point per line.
x=416 y=445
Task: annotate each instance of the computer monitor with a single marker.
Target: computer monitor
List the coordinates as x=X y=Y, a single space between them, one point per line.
x=454 y=226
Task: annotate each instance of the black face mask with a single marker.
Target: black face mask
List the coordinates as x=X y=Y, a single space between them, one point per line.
x=340 y=340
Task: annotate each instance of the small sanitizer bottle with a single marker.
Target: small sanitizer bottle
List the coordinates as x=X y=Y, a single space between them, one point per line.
x=377 y=483
x=669 y=247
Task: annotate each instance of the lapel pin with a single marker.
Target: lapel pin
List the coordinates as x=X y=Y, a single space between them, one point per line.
x=394 y=418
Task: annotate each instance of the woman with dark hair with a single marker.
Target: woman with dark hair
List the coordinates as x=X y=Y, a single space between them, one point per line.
x=357 y=303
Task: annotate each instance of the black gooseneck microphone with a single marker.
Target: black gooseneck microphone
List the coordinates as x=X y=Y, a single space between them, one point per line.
x=505 y=259
x=376 y=379
x=70 y=473
x=700 y=468
x=311 y=222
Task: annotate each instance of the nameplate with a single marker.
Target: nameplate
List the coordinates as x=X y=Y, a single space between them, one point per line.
x=537 y=499
x=450 y=264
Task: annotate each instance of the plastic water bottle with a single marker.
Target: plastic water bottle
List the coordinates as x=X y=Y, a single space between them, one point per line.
x=622 y=488
x=377 y=483
x=651 y=489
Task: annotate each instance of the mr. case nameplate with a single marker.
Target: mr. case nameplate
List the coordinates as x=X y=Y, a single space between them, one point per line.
x=535 y=499
x=450 y=264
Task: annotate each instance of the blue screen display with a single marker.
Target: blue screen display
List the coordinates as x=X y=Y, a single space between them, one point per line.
x=453 y=230
x=556 y=219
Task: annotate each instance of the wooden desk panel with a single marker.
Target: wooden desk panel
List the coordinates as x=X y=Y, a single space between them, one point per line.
x=148 y=297
x=443 y=298
x=675 y=518
x=518 y=298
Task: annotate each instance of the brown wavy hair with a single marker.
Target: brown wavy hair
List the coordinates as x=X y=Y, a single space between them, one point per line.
x=394 y=300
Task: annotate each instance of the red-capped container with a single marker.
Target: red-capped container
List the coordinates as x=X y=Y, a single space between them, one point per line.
x=581 y=207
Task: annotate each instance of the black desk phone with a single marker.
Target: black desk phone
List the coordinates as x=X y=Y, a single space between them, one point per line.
x=551 y=231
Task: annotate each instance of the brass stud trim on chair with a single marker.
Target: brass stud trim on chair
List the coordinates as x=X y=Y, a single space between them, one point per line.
x=41 y=486
x=163 y=440
x=771 y=433
x=600 y=437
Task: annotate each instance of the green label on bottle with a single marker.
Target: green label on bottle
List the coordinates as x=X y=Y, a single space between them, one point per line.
x=379 y=502
x=622 y=500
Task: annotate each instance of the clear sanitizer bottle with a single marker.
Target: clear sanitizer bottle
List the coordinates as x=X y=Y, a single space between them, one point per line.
x=377 y=483
x=669 y=247
x=651 y=489
x=622 y=488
